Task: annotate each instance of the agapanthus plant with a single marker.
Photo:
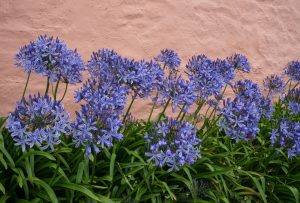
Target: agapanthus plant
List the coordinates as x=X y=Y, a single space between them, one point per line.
x=38 y=121
x=51 y=57
x=287 y=136
x=97 y=124
x=172 y=144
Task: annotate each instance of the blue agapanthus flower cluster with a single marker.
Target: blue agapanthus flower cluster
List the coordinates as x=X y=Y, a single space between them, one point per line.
x=38 y=121
x=274 y=84
x=52 y=58
x=292 y=70
x=169 y=58
x=293 y=101
x=204 y=76
x=239 y=62
x=140 y=77
x=98 y=122
x=240 y=119
x=209 y=77
x=288 y=137
x=247 y=91
x=172 y=144
x=179 y=91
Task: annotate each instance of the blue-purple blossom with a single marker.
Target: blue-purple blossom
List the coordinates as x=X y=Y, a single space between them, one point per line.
x=206 y=76
x=172 y=144
x=293 y=101
x=105 y=65
x=247 y=91
x=274 y=84
x=239 y=119
x=97 y=124
x=179 y=91
x=38 y=121
x=239 y=62
x=141 y=77
x=288 y=137
x=95 y=129
x=52 y=58
x=225 y=69
x=292 y=70
x=169 y=58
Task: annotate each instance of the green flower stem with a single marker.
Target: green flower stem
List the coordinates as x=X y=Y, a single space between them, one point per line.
x=194 y=115
x=56 y=89
x=66 y=88
x=25 y=88
x=162 y=113
x=94 y=168
x=47 y=87
x=180 y=112
x=182 y=117
x=130 y=105
x=152 y=109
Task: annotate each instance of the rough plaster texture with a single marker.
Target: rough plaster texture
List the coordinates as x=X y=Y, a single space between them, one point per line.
x=267 y=31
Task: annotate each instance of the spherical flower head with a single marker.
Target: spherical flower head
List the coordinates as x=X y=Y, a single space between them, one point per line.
x=51 y=57
x=292 y=70
x=206 y=76
x=247 y=90
x=179 y=91
x=169 y=58
x=103 y=96
x=287 y=137
x=225 y=69
x=172 y=144
x=239 y=119
x=239 y=62
x=105 y=64
x=95 y=129
x=274 y=84
x=38 y=121
x=293 y=101
x=141 y=77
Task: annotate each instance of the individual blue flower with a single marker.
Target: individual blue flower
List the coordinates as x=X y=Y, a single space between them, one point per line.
x=239 y=62
x=38 y=121
x=292 y=70
x=172 y=144
x=274 y=84
x=287 y=137
x=169 y=58
x=52 y=58
x=206 y=76
x=239 y=119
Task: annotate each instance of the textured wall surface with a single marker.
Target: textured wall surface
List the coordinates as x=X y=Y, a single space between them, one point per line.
x=267 y=31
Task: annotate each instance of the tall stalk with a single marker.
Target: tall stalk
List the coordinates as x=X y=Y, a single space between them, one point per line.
x=25 y=88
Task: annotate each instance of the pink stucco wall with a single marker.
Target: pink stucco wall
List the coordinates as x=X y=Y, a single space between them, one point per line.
x=267 y=31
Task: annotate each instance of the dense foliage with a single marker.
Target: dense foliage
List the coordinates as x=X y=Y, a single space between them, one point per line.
x=240 y=149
